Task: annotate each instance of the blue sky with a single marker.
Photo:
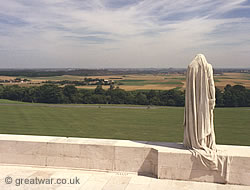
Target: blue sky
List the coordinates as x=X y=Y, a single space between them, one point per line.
x=123 y=33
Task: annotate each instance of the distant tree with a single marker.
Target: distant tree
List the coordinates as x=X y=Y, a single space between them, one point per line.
x=108 y=99
x=219 y=97
x=117 y=95
x=155 y=101
x=13 y=92
x=31 y=94
x=228 y=96
x=99 y=90
x=1 y=91
x=141 y=99
x=178 y=97
x=50 y=94
x=172 y=97
x=84 y=96
x=17 y=79
x=248 y=97
x=235 y=96
x=163 y=97
x=98 y=99
x=151 y=94
x=130 y=98
x=70 y=92
x=111 y=86
x=26 y=80
x=240 y=94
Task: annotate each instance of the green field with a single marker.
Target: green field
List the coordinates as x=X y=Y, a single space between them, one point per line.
x=146 y=82
x=160 y=124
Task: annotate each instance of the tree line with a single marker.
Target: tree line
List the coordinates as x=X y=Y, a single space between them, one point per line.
x=231 y=96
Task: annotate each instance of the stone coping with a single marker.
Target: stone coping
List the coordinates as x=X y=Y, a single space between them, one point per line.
x=232 y=150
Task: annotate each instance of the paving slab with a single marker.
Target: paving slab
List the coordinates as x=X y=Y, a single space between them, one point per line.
x=14 y=177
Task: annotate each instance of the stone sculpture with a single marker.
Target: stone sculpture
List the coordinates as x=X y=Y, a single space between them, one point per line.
x=199 y=136
x=199 y=104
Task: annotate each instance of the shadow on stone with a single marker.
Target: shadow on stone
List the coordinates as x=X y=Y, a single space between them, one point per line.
x=164 y=144
x=199 y=172
x=168 y=145
x=149 y=166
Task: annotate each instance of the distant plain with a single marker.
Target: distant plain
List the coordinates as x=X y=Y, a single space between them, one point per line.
x=142 y=81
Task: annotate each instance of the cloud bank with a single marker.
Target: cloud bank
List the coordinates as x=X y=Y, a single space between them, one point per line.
x=123 y=33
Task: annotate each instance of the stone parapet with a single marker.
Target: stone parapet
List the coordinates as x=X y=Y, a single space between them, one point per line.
x=159 y=159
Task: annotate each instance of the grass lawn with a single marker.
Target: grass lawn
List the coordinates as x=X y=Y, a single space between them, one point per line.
x=163 y=124
x=4 y=101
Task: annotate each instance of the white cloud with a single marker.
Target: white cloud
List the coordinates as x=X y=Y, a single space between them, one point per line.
x=109 y=33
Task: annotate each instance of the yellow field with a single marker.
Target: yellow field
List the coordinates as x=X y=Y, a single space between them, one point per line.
x=233 y=79
x=6 y=78
x=143 y=82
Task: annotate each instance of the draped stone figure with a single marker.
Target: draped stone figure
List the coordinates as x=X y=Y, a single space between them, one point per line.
x=198 y=118
x=199 y=136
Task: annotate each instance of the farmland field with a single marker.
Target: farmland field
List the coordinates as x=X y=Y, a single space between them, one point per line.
x=143 y=81
x=117 y=122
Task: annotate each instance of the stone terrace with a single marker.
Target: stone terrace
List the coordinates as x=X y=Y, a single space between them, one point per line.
x=118 y=159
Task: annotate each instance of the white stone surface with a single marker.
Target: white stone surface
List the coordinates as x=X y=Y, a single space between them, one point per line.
x=159 y=159
x=198 y=114
x=90 y=180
